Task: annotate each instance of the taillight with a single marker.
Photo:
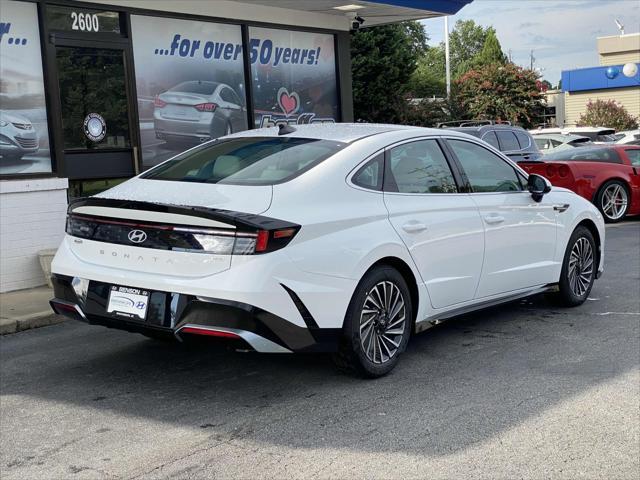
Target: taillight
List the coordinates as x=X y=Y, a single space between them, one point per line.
x=551 y=171
x=563 y=170
x=182 y=239
x=206 y=107
x=159 y=103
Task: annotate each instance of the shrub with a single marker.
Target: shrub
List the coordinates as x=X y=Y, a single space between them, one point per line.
x=607 y=113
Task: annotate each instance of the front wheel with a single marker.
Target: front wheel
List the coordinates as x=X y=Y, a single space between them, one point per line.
x=377 y=325
x=578 y=268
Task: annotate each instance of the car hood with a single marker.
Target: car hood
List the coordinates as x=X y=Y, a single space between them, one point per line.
x=253 y=199
x=12 y=117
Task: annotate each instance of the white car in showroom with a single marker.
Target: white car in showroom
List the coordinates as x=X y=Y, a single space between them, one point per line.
x=343 y=238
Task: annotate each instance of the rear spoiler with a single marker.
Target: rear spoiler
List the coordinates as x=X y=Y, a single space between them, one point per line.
x=239 y=219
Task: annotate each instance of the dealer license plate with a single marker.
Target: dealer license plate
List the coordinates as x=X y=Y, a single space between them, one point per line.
x=128 y=302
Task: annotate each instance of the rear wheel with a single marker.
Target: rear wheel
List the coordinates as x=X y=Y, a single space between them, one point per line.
x=578 y=268
x=613 y=201
x=377 y=324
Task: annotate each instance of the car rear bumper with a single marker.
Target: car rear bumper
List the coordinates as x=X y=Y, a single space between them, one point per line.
x=179 y=315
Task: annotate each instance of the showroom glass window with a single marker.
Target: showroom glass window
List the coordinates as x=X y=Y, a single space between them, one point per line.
x=419 y=167
x=293 y=76
x=24 y=135
x=190 y=83
x=486 y=171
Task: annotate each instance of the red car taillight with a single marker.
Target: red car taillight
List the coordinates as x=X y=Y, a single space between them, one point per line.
x=551 y=171
x=206 y=107
x=159 y=103
x=563 y=171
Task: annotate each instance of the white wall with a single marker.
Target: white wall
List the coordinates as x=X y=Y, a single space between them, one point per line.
x=32 y=218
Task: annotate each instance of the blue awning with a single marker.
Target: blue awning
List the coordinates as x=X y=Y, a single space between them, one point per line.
x=445 y=7
x=595 y=78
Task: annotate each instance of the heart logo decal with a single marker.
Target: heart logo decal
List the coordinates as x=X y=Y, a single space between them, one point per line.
x=289 y=102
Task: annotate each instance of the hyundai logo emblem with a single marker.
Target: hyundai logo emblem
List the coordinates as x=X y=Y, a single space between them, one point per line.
x=137 y=236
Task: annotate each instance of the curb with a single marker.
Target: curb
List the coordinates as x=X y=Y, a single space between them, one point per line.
x=27 y=322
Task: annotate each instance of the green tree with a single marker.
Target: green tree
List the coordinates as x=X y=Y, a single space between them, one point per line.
x=500 y=92
x=607 y=113
x=428 y=79
x=466 y=41
x=491 y=51
x=383 y=59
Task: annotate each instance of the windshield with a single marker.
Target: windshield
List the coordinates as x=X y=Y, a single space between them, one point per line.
x=246 y=161
x=201 y=88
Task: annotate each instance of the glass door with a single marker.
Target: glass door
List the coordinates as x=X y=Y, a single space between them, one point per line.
x=93 y=98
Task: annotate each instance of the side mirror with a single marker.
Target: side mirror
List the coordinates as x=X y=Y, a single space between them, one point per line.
x=538 y=186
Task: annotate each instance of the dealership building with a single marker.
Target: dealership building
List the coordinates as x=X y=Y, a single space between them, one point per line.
x=603 y=82
x=92 y=93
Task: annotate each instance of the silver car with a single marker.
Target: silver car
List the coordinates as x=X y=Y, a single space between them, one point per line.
x=197 y=111
x=17 y=136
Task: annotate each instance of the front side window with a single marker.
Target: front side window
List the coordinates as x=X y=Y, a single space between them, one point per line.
x=508 y=141
x=246 y=161
x=486 y=171
x=634 y=156
x=419 y=167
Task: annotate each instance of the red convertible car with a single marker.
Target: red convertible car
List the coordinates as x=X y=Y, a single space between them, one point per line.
x=608 y=176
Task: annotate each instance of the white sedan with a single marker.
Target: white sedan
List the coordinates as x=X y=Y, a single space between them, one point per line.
x=346 y=238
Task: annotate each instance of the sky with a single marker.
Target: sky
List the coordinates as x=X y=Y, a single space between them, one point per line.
x=561 y=33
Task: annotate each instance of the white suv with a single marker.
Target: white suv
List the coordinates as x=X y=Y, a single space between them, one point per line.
x=345 y=238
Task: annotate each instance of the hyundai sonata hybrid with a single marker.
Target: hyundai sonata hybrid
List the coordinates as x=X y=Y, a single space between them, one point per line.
x=342 y=238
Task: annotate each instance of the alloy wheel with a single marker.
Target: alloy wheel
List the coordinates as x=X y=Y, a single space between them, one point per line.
x=614 y=201
x=382 y=322
x=581 y=266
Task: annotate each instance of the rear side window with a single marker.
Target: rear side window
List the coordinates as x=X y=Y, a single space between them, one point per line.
x=634 y=156
x=491 y=139
x=419 y=167
x=246 y=161
x=486 y=171
x=370 y=175
x=508 y=141
x=523 y=139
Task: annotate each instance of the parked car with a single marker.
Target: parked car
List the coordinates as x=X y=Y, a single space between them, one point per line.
x=293 y=240
x=554 y=142
x=198 y=111
x=605 y=175
x=596 y=134
x=515 y=142
x=17 y=136
x=627 y=136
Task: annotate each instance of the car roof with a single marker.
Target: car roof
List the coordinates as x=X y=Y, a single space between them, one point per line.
x=339 y=132
x=483 y=128
x=569 y=130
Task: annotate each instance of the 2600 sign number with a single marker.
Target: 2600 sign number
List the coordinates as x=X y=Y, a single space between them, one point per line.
x=85 y=22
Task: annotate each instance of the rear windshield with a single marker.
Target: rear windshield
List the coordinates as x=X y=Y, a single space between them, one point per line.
x=246 y=161
x=586 y=154
x=202 y=88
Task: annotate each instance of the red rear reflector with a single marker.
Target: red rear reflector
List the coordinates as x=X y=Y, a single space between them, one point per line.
x=286 y=233
x=262 y=240
x=158 y=102
x=211 y=333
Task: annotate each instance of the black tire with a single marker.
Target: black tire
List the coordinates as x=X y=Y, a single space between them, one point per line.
x=354 y=358
x=601 y=200
x=572 y=294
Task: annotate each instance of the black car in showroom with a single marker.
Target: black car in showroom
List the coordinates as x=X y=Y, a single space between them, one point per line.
x=513 y=141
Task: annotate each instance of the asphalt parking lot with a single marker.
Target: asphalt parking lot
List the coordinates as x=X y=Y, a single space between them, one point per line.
x=526 y=390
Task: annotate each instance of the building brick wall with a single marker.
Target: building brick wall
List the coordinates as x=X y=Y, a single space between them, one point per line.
x=32 y=218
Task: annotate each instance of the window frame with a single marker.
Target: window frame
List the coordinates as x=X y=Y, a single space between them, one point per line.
x=520 y=174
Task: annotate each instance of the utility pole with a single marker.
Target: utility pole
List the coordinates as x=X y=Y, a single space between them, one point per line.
x=447 y=62
x=531 y=60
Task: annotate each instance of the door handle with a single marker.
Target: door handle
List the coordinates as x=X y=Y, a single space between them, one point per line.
x=494 y=219
x=561 y=208
x=414 y=227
